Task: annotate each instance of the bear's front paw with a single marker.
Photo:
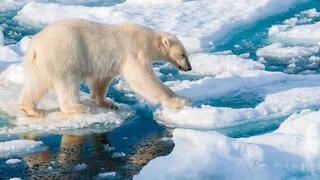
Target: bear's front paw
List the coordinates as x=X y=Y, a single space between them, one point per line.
x=107 y=105
x=179 y=102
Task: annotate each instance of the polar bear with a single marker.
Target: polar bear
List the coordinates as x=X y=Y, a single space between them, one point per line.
x=68 y=52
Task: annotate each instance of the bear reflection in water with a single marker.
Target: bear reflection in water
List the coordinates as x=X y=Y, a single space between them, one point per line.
x=85 y=156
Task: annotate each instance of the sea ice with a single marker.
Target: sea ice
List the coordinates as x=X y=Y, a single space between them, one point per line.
x=294 y=147
x=12 y=161
x=298 y=30
x=12 y=77
x=277 y=51
x=20 y=148
x=80 y=167
x=107 y=175
x=118 y=155
x=197 y=23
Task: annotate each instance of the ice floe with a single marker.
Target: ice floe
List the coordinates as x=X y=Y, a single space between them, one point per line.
x=107 y=175
x=294 y=147
x=197 y=23
x=12 y=78
x=20 y=148
x=12 y=161
x=277 y=51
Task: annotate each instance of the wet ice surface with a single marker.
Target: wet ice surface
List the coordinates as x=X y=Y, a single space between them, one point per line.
x=255 y=87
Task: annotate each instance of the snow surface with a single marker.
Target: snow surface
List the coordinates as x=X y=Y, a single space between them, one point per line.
x=20 y=148
x=294 y=147
x=197 y=23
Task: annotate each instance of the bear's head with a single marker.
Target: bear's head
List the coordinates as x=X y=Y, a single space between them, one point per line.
x=173 y=51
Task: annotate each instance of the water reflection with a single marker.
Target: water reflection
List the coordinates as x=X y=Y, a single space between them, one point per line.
x=85 y=156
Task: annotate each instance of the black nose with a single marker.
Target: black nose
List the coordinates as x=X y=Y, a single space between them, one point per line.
x=189 y=68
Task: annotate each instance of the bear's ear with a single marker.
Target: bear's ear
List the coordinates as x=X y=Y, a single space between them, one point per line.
x=163 y=42
x=166 y=42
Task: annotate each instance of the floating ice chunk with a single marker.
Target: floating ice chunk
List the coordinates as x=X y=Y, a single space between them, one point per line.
x=13 y=161
x=118 y=155
x=245 y=55
x=294 y=147
x=80 y=167
x=303 y=34
x=166 y=139
x=298 y=30
x=20 y=148
x=314 y=58
x=311 y=13
x=15 y=178
x=277 y=51
x=206 y=64
x=107 y=175
x=108 y=148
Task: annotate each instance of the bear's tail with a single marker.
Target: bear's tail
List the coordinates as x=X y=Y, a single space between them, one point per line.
x=30 y=59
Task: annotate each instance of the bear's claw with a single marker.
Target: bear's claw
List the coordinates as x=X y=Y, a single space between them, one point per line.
x=107 y=105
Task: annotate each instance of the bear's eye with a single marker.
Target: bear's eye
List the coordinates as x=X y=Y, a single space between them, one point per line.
x=183 y=55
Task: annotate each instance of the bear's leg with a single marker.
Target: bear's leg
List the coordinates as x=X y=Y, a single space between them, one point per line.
x=67 y=90
x=142 y=79
x=31 y=94
x=99 y=88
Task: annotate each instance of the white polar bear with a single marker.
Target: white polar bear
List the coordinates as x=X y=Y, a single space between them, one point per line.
x=67 y=52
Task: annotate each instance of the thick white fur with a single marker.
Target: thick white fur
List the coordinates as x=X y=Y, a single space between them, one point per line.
x=68 y=52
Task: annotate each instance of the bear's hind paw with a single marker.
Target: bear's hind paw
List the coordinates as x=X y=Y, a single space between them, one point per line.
x=35 y=113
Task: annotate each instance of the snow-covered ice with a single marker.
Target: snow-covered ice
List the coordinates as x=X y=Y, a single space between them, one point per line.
x=12 y=78
x=197 y=22
x=20 y=148
x=80 y=167
x=118 y=155
x=294 y=42
x=294 y=147
x=277 y=51
x=107 y=175
x=12 y=161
